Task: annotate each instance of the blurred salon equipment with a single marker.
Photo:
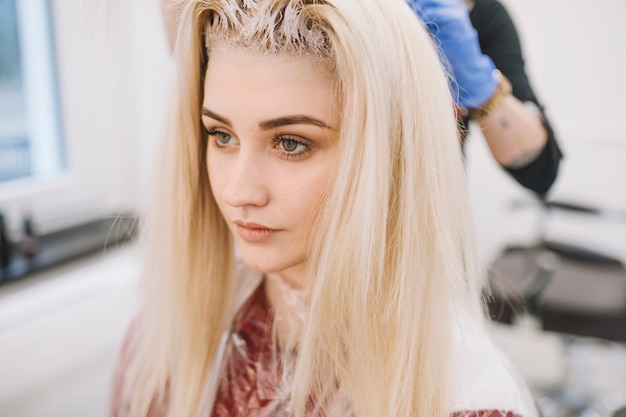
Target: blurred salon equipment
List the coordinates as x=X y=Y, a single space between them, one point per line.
x=33 y=254
x=575 y=289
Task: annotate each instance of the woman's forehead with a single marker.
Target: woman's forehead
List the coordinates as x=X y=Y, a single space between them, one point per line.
x=304 y=67
x=226 y=47
x=241 y=82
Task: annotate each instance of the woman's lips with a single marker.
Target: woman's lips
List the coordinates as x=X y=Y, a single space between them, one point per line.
x=253 y=233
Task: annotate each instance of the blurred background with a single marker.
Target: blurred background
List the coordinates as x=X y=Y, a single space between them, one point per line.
x=84 y=88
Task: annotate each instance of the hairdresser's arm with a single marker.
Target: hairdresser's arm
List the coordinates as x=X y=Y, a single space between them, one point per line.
x=511 y=130
x=518 y=136
x=536 y=167
x=514 y=133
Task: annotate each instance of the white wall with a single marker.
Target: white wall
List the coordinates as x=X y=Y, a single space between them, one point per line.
x=146 y=70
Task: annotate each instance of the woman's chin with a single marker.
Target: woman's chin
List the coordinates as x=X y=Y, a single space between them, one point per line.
x=267 y=258
x=289 y=271
x=267 y=265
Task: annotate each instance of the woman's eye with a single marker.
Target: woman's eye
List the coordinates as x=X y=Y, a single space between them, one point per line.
x=290 y=145
x=223 y=138
x=220 y=138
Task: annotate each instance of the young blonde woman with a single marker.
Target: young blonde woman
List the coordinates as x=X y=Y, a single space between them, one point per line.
x=309 y=251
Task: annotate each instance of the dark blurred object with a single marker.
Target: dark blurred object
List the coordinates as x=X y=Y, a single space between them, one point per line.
x=5 y=244
x=587 y=295
x=70 y=244
x=29 y=245
x=570 y=289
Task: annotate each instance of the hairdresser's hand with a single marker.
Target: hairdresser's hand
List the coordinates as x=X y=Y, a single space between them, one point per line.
x=449 y=22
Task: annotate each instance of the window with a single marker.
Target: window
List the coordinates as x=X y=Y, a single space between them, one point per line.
x=30 y=142
x=94 y=81
x=65 y=147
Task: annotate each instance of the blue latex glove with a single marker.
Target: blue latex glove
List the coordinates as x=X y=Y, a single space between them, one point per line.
x=449 y=23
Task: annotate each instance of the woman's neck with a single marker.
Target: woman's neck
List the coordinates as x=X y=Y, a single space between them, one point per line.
x=288 y=307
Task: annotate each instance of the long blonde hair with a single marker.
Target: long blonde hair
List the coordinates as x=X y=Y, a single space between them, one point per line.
x=393 y=255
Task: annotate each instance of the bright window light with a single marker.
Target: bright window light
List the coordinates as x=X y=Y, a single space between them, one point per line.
x=30 y=139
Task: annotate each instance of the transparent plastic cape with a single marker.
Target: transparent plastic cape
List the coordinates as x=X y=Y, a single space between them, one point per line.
x=249 y=381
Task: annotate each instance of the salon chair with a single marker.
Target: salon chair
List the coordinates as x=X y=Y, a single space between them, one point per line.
x=567 y=289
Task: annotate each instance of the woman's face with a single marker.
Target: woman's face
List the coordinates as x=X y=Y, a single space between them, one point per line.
x=272 y=152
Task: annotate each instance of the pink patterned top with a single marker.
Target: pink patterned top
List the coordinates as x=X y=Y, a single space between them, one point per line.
x=249 y=382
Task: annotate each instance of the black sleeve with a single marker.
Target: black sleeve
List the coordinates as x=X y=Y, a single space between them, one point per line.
x=499 y=40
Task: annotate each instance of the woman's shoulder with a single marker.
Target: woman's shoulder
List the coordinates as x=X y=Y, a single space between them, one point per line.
x=485 y=381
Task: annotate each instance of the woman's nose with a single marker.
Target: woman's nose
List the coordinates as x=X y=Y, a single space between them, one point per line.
x=246 y=184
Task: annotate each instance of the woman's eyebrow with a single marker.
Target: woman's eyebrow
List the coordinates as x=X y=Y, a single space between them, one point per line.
x=215 y=116
x=298 y=119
